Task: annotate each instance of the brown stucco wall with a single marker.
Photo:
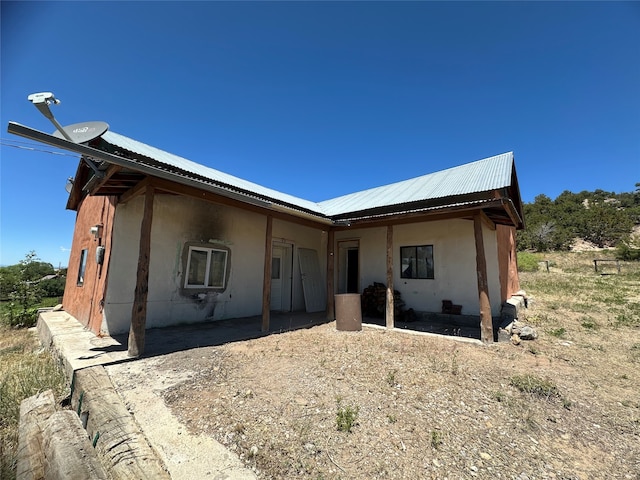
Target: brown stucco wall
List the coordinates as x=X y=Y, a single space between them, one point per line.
x=507 y=261
x=84 y=301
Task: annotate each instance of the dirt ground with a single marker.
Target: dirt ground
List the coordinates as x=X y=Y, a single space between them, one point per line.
x=424 y=407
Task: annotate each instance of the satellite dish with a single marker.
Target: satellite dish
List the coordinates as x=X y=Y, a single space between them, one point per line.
x=83 y=132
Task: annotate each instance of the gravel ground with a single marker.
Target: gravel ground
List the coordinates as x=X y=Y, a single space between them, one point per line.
x=321 y=404
x=423 y=407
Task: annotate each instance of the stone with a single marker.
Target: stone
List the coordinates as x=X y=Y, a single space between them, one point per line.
x=503 y=335
x=515 y=339
x=485 y=456
x=528 y=333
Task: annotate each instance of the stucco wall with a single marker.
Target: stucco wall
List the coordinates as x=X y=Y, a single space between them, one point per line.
x=176 y=221
x=454 y=263
x=84 y=301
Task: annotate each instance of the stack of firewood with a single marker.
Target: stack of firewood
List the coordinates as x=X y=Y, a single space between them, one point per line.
x=374 y=299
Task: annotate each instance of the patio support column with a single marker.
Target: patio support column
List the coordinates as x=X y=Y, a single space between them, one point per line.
x=331 y=314
x=486 y=322
x=266 y=283
x=139 y=309
x=389 y=313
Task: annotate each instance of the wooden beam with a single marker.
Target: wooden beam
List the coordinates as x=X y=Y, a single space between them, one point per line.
x=139 y=309
x=331 y=314
x=486 y=322
x=99 y=183
x=487 y=221
x=134 y=191
x=444 y=213
x=390 y=315
x=116 y=434
x=68 y=452
x=162 y=185
x=35 y=411
x=266 y=282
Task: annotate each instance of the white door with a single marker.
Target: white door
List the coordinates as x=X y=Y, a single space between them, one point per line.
x=312 y=284
x=276 y=279
x=281 y=259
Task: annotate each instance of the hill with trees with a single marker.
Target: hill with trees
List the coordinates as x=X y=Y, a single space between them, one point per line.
x=604 y=219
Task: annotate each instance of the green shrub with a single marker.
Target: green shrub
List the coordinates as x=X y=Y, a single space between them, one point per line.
x=528 y=262
x=534 y=385
x=346 y=418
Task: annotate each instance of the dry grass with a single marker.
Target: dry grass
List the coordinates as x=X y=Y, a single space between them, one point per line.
x=24 y=371
x=563 y=406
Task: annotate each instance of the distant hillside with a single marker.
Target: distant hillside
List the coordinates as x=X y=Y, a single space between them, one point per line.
x=604 y=219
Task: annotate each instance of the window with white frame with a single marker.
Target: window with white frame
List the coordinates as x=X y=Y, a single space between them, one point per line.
x=83 y=267
x=206 y=268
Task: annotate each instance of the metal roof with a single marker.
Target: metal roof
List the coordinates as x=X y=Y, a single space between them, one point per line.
x=211 y=174
x=467 y=187
x=479 y=176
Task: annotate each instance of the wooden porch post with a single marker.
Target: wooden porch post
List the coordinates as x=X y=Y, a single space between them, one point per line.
x=331 y=314
x=266 y=283
x=389 y=315
x=486 y=322
x=139 y=310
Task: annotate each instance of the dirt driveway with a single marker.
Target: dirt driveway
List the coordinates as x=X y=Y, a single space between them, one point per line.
x=420 y=407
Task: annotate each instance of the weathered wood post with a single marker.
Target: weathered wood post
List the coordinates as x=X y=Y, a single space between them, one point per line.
x=139 y=310
x=331 y=314
x=390 y=305
x=486 y=322
x=266 y=283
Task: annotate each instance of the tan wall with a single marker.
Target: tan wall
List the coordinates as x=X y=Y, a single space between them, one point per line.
x=176 y=221
x=454 y=263
x=84 y=301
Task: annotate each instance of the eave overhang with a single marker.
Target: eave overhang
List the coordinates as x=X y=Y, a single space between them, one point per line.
x=120 y=171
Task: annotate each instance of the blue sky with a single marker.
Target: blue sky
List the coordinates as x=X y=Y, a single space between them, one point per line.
x=321 y=99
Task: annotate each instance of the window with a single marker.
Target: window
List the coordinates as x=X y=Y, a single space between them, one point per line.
x=206 y=268
x=417 y=262
x=83 y=266
x=275 y=268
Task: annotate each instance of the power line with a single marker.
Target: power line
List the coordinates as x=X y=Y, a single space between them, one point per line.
x=35 y=149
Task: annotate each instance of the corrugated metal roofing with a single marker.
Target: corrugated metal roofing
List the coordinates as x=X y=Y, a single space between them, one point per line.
x=212 y=174
x=482 y=175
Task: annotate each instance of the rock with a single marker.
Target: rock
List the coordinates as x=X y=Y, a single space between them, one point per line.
x=503 y=335
x=528 y=333
x=515 y=339
x=485 y=456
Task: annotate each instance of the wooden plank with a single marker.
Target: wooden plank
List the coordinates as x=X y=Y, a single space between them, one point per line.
x=34 y=414
x=266 y=282
x=100 y=182
x=389 y=303
x=134 y=191
x=121 y=445
x=487 y=221
x=69 y=454
x=139 y=309
x=331 y=314
x=486 y=322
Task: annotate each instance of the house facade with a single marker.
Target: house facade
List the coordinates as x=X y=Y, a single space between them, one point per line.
x=160 y=240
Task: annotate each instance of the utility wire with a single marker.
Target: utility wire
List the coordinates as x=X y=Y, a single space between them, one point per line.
x=5 y=143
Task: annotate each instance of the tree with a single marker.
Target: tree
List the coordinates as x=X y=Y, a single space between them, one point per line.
x=604 y=225
x=26 y=292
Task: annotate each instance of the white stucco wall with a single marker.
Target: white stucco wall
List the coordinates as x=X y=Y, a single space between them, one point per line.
x=454 y=263
x=176 y=221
